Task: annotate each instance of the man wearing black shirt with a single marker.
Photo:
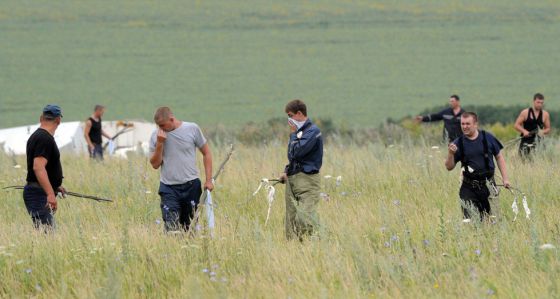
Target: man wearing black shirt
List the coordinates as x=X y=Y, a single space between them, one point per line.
x=533 y=123
x=93 y=131
x=44 y=171
x=451 y=119
x=476 y=150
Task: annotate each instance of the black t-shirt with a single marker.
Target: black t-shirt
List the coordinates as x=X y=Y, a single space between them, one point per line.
x=95 y=131
x=42 y=144
x=474 y=151
x=451 y=122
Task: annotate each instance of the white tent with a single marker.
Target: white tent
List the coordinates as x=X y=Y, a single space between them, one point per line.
x=69 y=136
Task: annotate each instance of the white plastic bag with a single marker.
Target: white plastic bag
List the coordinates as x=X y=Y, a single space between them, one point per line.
x=111 y=147
x=210 y=211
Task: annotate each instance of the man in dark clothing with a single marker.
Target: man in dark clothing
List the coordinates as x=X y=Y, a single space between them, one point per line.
x=301 y=175
x=529 y=122
x=451 y=119
x=44 y=171
x=476 y=150
x=93 y=131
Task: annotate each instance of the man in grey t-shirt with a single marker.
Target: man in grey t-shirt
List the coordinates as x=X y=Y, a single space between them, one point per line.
x=173 y=147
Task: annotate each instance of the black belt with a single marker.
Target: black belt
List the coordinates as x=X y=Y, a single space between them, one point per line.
x=308 y=172
x=478 y=184
x=34 y=185
x=296 y=167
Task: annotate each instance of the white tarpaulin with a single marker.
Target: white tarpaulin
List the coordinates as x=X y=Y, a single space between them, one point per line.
x=70 y=137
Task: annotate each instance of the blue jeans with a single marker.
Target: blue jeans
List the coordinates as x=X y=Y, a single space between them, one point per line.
x=179 y=203
x=35 y=200
x=97 y=152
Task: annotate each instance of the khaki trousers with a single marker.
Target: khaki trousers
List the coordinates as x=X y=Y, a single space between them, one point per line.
x=302 y=199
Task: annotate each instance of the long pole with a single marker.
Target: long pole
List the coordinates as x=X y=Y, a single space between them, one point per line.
x=74 y=194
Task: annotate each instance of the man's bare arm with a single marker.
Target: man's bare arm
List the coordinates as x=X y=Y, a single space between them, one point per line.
x=106 y=135
x=519 y=123
x=87 y=129
x=207 y=161
x=450 y=161
x=157 y=157
x=39 y=168
x=546 y=119
x=503 y=171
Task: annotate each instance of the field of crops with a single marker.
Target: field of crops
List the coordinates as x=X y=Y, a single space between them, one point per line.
x=391 y=224
x=356 y=62
x=391 y=228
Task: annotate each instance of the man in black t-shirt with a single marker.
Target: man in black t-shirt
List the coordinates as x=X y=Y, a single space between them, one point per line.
x=476 y=150
x=533 y=123
x=44 y=171
x=93 y=132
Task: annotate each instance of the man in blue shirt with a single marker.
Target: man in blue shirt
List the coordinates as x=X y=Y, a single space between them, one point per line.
x=476 y=150
x=301 y=175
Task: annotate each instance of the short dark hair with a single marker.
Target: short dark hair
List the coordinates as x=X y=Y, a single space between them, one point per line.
x=48 y=117
x=538 y=96
x=162 y=113
x=296 y=105
x=470 y=114
x=98 y=107
x=454 y=96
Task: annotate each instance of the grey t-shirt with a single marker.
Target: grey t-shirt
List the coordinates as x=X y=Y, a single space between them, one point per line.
x=179 y=153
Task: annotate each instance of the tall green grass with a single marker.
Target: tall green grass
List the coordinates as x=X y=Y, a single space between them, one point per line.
x=392 y=228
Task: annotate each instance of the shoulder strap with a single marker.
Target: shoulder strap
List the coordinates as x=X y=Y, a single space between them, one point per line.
x=461 y=146
x=531 y=114
x=540 y=122
x=486 y=151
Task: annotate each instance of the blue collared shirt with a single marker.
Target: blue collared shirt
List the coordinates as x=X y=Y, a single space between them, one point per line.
x=305 y=150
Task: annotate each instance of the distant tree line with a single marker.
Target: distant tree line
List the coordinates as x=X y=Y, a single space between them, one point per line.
x=498 y=119
x=489 y=115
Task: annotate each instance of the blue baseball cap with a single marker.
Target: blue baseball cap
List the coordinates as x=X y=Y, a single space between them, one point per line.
x=52 y=111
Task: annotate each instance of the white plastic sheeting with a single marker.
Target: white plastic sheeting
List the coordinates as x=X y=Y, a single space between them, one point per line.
x=69 y=137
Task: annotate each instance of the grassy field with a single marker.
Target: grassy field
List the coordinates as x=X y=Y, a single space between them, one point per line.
x=230 y=62
x=391 y=229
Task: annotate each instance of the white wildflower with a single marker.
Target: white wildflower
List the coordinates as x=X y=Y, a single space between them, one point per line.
x=547 y=246
x=526 y=207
